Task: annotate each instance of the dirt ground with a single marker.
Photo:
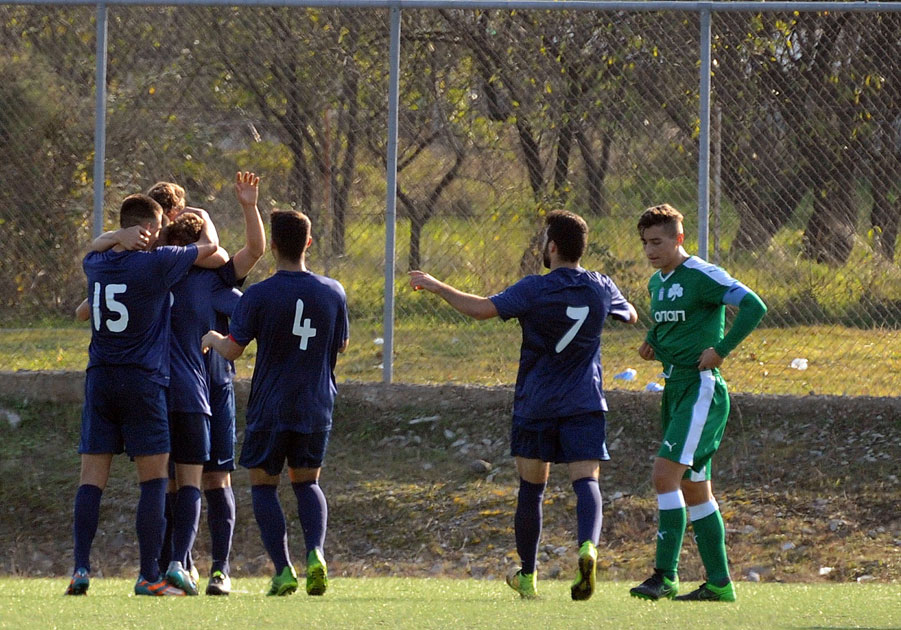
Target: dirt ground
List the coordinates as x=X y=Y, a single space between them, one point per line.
x=420 y=482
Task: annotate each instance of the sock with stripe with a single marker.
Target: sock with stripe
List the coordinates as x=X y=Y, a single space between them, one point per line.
x=710 y=534
x=671 y=521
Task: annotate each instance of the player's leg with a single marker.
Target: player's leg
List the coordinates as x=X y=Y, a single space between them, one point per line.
x=101 y=437
x=171 y=489
x=583 y=445
x=86 y=516
x=220 y=501
x=190 y=450
x=145 y=429
x=706 y=520
x=533 y=475
x=150 y=522
x=305 y=455
x=217 y=488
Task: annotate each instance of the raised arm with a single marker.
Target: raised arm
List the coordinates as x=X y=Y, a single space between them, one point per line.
x=134 y=237
x=247 y=190
x=474 y=306
x=221 y=344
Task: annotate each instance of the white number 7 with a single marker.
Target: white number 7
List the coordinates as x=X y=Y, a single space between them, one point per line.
x=304 y=331
x=578 y=313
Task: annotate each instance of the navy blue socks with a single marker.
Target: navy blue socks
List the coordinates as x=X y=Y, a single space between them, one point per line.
x=220 y=505
x=269 y=515
x=527 y=523
x=313 y=513
x=589 y=513
x=85 y=520
x=150 y=522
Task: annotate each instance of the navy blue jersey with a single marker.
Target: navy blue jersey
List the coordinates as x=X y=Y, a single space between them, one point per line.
x=299 y=320
x=129 y=297
x=221 y=370
x=561 y=314
x=196 y=301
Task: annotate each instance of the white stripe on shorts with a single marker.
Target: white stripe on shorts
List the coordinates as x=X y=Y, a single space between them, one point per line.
x=699 y=415
x=697 y=512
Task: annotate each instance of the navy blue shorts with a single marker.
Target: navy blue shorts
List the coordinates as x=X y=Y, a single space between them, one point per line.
x=269 y=450
x=222 y=429
x=190 y=437
x=561 y=440
x=123 y=410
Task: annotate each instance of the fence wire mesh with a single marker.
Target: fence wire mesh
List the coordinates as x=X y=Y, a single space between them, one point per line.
x=503 y=116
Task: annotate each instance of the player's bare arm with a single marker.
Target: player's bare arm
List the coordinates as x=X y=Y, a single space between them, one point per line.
x=130 y=238
x=709 y=360
x=344 y=345
x=208 y=243
x=218 y=257
x=83 y=311
x=221 y=344
x=646 y=351
x=474 y=306
x=247 y=190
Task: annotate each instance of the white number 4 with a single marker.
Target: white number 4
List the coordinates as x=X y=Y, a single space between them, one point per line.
x=305 y=330
x=578 y=313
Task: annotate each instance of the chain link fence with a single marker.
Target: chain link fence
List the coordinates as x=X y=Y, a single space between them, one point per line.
x=503 y=115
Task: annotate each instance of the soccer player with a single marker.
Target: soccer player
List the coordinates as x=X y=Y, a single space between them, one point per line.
x=125 y=385
x=300 y=322
x=688 y=299
x=559 y=406
x=217 y=488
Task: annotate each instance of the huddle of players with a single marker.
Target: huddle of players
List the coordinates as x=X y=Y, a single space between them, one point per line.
x=152 y=390
x=299 y=320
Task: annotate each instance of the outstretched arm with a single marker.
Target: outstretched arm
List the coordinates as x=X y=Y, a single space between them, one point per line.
x=134 y=237
x=247 y=190
x=475 y=306
x=221 y=344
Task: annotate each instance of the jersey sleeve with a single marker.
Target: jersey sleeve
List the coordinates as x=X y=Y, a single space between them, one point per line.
x=226 y=273
x=224 y=299
x=617 y=306
x=175 y=262
x=515 y=300
x=716 y=284
x=243 y=325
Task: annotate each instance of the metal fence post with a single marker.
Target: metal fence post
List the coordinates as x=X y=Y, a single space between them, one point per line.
x=704 y=137
x=391 y=196
x=100 y=120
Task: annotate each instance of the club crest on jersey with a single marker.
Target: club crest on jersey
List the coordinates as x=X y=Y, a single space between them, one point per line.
x=674 y=291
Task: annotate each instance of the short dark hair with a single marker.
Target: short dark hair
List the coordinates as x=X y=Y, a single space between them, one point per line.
x=138 y=209
x=290 y=232
x=184 y=230
x=168 y=195
x=663 y=214
x=570 y=233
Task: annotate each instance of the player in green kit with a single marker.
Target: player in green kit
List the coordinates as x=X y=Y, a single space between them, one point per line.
x=688 y=300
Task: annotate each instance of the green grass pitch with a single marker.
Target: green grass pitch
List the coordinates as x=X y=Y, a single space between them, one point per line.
x=400 y=603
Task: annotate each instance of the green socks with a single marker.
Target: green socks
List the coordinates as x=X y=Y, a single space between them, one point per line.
x=710 y=534
x=671 y=520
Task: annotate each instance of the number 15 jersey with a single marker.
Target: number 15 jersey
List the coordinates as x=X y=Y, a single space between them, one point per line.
x=299 y=320
x=562 y=315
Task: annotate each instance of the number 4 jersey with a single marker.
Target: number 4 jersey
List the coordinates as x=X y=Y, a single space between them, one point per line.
x=129 y=297
x=299 y=320
x=562 y=315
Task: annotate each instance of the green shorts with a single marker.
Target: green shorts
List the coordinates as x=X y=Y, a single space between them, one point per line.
x=694 y=413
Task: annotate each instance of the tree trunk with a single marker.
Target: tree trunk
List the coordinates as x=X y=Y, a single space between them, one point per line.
x=829 y=236
x=596 y=171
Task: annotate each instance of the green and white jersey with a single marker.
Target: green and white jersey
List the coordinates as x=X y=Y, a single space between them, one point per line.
x=688 y=311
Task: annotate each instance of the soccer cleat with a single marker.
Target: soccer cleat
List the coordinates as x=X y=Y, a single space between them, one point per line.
x=79 y=584
x=656 y=587
x=160 y=588
x=524 y=584
x=219 y=584
x=194 y=573
x=284 y=583
x=583 y=586
x=708 y=592
x=181 y=579
x=317 y=573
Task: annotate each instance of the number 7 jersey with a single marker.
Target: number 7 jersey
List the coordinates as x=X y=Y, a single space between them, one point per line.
x=562 y=315
x=300 y=321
